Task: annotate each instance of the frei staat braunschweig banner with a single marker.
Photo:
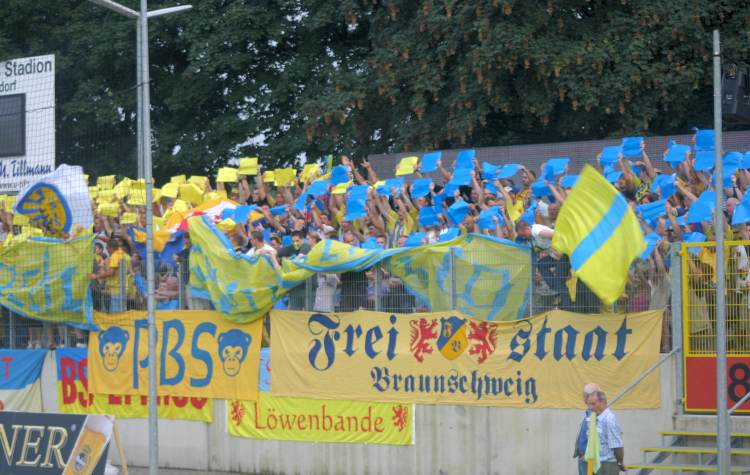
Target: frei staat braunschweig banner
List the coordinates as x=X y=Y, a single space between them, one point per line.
x=448 y=358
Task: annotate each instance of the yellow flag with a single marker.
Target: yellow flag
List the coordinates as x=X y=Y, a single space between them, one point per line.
x=128 y=218
x=284 y=176
x=199 y=181
x=593 y=446
x=341 y=188
x=309 y=171
x=190 y=192
x=105 y=196
x=407 y=165
x=268 y=176
x=109 y=209
x=20 y=220
x=600 y=233
x=178 y=180
x=227 y=175
x=106 y=182
x=249 y=166
x=170 y=190
x=137 y=198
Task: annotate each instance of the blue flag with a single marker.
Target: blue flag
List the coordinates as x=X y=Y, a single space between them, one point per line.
x=487 y=218
x=508 y=171
x=429 y=162
x=458 y=211
x=428 y=216
x=676 y=154
x=610 y=155
x=464 y=159
x=421 y=187
x=631 y=147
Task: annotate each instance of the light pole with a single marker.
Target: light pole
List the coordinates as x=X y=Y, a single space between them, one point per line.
x=145 y=171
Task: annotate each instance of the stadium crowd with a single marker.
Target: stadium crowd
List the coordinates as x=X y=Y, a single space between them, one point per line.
x=285 y=213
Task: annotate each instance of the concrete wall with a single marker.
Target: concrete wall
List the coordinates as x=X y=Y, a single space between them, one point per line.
x=449 y=440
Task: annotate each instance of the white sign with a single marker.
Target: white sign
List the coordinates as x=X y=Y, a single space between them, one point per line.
x=27 y=121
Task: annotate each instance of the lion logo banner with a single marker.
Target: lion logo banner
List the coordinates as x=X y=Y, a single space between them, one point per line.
x=449 y=358
x=199 y=354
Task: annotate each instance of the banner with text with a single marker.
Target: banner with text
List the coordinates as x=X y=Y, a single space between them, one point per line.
x=74 y=397
x=199 y=354
x=448 y=358
x=311 y=420
x=43 y=443
x=20 y=388
x=48 y=279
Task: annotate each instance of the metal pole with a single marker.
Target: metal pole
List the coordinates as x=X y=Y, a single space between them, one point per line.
x=532 y=280
x=139 y=60
x=145 y=137
x=722 y=424
x=677 y=320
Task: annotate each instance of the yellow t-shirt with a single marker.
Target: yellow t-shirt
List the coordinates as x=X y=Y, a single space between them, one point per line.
x=116 y=260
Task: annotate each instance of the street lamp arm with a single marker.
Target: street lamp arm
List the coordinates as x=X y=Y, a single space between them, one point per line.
x=167 y=11
x=117 y=8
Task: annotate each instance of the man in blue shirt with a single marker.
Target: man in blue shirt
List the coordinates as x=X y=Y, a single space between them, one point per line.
x=583 y=433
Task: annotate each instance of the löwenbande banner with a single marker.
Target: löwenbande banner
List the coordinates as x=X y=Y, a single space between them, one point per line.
x=314 y=420
x=198 y=354
x=74 y=398
x=48 y=279
x=448 y=358
x=20 y=387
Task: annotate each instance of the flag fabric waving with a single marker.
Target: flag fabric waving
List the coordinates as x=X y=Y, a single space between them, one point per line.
x=600 y=233
x=58 y=202
x=592 y=447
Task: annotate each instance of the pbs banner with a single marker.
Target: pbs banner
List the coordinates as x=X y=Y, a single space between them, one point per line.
x=39 y=444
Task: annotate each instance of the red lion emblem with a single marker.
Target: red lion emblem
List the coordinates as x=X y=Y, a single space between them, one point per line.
x=422 y=331
x=237 y=412
x=485 y=335
x=400 y=413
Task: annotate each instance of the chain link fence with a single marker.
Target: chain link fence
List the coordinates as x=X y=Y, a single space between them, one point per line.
x=377 y=288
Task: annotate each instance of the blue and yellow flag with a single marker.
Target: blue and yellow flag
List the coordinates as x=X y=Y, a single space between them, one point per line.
x=483 y=277
x=600 y=233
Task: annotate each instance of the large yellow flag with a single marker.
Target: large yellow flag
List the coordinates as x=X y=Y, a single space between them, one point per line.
x=591 y=456
x=600 y=233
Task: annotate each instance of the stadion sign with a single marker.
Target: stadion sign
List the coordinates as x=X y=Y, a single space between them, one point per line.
x=27 y=121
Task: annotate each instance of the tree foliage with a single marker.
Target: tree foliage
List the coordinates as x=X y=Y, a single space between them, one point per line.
x=281 y=78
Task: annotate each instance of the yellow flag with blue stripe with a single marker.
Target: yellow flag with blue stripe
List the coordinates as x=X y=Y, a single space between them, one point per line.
x=600 y=233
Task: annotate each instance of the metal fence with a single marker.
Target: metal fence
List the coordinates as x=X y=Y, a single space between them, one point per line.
x=378 y=288
x=699 y=298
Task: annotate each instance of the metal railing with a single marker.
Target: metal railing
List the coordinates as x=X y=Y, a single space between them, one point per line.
x=373 y=289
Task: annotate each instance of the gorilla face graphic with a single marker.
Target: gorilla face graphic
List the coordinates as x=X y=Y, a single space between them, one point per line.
x=112 y=343
x=233 y=346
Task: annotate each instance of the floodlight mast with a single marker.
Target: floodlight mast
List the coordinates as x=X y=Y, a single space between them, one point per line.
x=145 y=170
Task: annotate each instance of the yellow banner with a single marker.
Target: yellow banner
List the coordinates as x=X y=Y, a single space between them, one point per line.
x=448 y=358
x=47 y=279
x=199 y=354
x=309 y=420
x=74 y=398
